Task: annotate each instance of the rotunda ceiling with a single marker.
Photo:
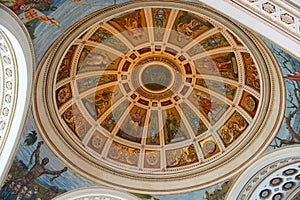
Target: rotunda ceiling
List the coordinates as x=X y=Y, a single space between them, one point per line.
x=141 y=93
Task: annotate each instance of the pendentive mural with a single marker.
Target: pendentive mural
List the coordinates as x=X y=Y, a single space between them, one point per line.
x=38 y=173
x=289 y=133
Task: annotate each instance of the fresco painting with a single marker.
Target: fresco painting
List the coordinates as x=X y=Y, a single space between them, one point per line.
x=124 y=154
x=211 y=108
x=32 y=12
x=64 y=70
x=174 y=128
x=100 y=101
x=110 y=121
x=223 y=88
x=153 y=137
x=182 y=156
x=85 y=84
x=215 y=41
x=251 y=74
x=188 y=27
x=195 y=122
x=195 y=50
x=232 y=129
x=21 y=181
x=289 y=131
x=76 y=121
x=105 y=37
x=223 y=65
x=133 y=125
x=152 y=159
x=36 y=173
x=93 y=59
x=209 y=147
x=63 y=94
x=160 y=19
x=46 y=188
x=133 y=26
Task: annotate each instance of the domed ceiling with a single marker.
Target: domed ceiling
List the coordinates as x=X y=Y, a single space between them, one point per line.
x=136 y=95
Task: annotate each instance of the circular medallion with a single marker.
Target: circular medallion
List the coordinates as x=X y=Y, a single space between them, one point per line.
x=152 y=159
x=97 y=142
x=250 y=103
x=209 y=146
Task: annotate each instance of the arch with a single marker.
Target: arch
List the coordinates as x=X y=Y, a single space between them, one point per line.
x=17 y=66
x=267 y=167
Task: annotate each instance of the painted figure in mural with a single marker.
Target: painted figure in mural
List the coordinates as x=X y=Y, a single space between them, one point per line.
x=205 y=104
x=134 y=27
x=172 y=125
x=215 y=66
x=134 y=124
x=100 y=59
x=153 y=130
x=132 y=23
x=159 y=18
x=103 y=100
x=109 y=122
x=15 y=190
x=188 y=26
x=185 y=156
x=209 y=107
x=213 y=41
x=38 y=168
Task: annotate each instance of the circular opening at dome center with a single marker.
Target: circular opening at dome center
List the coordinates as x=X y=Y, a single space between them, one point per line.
x=156 y=77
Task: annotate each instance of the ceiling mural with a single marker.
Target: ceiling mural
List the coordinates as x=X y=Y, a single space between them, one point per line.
x=152 y=92
x=179 y=93
x=138 y=92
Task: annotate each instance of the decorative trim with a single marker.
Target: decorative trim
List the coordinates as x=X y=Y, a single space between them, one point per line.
x=96 y=193
x=275 y=12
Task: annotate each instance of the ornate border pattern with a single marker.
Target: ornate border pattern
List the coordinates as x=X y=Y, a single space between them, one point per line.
x=286 y=17
x=9 y=78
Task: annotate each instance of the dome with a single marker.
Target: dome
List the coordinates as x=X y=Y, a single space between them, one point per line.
x=142 y=94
